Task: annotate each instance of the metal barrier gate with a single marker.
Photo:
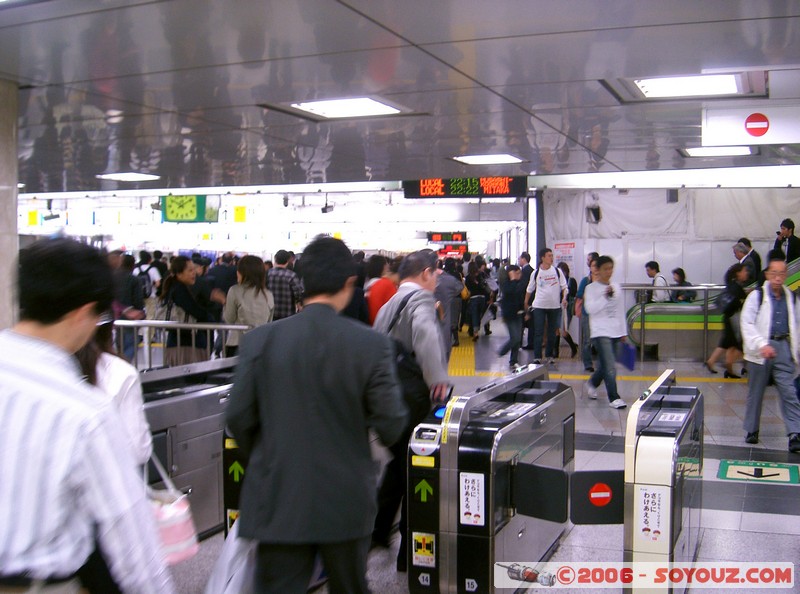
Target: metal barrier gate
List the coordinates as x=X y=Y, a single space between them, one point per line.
x=487 y=481
x=663 y=475
x=491 y=477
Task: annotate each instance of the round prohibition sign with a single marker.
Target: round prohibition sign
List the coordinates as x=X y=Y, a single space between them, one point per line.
x=756 y=124
x=600 y=494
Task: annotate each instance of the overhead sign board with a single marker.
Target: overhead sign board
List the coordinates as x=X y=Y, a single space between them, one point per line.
x=755 y=124
x=467 y=187
x=447 y=237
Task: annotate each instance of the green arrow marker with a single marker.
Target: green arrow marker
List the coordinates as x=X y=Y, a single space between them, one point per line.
x=426 y=489
x=237 y=471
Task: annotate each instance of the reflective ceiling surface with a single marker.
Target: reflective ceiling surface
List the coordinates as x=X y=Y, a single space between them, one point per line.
x=177 y=88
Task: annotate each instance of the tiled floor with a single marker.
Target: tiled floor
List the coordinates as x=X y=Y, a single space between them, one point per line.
x=741 y=520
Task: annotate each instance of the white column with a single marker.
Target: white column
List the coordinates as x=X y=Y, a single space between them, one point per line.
x=9 y=237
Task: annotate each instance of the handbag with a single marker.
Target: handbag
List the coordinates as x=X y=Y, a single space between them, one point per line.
x=465 y=294
x=173 y=516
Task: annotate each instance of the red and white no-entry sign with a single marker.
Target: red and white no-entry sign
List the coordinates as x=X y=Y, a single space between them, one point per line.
x=756 y=124
x=600 y=494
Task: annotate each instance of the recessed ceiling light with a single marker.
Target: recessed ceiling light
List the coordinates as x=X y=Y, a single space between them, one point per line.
x=354 y=107
x=689 y=86
x=718 y=151
x=128 y=177
x=500 y=159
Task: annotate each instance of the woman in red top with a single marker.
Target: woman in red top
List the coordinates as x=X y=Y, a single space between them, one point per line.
x=379 y=288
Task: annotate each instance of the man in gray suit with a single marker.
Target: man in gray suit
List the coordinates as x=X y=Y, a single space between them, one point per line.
x=307 y=389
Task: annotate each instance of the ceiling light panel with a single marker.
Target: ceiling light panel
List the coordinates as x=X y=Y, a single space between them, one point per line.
x=718 y=151
x=690 y=86
x=355 y=107
x=500 y=159
x=128 y=177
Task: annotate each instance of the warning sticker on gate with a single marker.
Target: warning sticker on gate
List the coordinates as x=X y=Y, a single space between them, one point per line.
x=424 y=553
x=470 y=494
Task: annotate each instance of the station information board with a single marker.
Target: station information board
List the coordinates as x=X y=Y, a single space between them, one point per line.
x=467 y=187
x=447 y=237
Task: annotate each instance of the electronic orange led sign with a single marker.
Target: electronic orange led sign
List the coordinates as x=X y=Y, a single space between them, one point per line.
x=467 y=187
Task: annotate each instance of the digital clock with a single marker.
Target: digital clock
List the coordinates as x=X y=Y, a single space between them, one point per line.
x=467 y=187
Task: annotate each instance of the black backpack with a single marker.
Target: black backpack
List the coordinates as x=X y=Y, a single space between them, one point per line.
x=145 y=282
x=416 y=392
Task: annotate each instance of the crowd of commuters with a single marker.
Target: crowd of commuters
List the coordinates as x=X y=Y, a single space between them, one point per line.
x=309 y=493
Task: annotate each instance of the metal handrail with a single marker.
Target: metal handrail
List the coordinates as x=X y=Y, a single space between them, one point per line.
x=705 y=288
x=163 y=325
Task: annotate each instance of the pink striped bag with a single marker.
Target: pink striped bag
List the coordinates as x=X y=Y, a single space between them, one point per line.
x=174 y=519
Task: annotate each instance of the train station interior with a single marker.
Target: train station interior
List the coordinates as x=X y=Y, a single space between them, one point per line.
x=499 y=127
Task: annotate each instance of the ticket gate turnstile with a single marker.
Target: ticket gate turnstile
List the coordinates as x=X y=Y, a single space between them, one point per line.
x=663 y=475
x=488 y=482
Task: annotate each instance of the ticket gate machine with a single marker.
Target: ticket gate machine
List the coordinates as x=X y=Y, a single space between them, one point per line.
x=488 y=481
x=663 y=474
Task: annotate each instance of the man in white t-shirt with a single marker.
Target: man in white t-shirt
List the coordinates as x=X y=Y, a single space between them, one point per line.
x=547 y=289
x=653 y=271
x=604 y=302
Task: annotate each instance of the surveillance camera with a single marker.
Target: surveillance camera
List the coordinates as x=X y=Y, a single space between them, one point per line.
x=327 y=208
x=285 y=200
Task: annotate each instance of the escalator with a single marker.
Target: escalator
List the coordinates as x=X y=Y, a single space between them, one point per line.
x=674 y=331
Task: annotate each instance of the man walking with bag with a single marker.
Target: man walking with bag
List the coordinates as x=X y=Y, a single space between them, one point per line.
x=410 y=318
x=769 y=323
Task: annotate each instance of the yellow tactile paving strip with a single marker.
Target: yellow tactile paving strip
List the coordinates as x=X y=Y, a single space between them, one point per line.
x=462 y=364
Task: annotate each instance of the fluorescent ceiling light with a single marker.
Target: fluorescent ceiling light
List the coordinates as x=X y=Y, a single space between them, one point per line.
x=689 y=86
x=718 y=151
x=128 y=177
x=355 y=107
x=488 y=159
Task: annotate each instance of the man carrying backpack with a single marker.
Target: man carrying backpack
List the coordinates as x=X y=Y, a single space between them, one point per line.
x=769 y=323
x=149 y=279
x=410 y=318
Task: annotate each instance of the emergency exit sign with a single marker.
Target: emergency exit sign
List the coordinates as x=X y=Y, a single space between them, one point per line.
x=757 y=123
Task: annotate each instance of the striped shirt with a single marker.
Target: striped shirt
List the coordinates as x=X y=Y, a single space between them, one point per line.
x=286 y=289
x=67 y=475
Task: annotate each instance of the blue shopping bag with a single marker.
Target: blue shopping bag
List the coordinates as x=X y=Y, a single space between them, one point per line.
x=626 y=355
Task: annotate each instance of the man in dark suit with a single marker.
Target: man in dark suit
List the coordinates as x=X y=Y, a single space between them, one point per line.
x=755 y=257
x=786 y=241
x=307 y=389
x=526 y=271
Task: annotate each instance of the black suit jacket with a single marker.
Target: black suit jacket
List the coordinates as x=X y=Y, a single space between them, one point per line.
x=792 y=247
x=307 y=388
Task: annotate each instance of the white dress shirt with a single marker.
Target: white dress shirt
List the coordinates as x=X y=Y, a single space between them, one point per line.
x=67 y=475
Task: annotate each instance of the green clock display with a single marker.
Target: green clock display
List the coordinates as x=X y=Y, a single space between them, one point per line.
x=190 y=209
x=180 y=208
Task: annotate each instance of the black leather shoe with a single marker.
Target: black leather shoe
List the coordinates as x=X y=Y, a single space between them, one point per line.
x=527 y=348
x=589 y=369
x=729 y=375
x=794 y=443
x=753 y=438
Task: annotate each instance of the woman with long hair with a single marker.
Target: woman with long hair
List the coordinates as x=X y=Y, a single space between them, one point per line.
x=566 y=316
x=478 y=293
x=181 y=306
x=732 y=299
x=119 y=381
x=249 y=302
